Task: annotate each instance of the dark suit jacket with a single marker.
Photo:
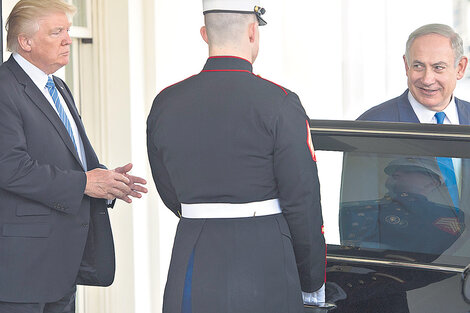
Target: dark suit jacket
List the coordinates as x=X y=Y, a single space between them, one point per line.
x=52 y=236
x=399 y=110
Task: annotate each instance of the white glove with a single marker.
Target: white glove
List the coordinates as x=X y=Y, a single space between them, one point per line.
x=314 y=298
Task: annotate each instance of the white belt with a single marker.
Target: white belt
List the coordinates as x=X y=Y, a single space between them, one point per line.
x=230 y=210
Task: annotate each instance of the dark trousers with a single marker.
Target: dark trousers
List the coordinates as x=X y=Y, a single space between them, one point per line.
x=64 y=305
x=233 y=265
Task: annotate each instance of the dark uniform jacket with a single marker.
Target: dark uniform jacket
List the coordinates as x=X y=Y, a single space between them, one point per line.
x=227 y=135
x=405 y=222
x=52 y=236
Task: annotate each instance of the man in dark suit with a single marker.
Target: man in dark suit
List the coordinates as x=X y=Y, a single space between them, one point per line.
x=434 y=62
x=54 y=227
x=231 y=153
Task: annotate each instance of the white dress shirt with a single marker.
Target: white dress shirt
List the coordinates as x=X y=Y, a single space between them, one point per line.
x=40 y=78
x=426 y=115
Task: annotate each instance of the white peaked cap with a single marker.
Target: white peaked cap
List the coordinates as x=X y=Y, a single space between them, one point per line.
x=230 y=5
x=235 y=6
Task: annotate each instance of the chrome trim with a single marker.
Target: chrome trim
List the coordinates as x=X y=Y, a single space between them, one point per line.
x=388 y=132
x=397 y=263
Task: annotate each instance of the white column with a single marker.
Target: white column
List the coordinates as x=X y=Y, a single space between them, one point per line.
x=7 y=6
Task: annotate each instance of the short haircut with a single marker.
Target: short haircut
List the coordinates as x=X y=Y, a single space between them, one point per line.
x=440 y=29
x=23 y=19
x=225 y=28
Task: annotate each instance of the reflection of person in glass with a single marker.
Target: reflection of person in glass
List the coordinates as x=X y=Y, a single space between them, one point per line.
x=404 y=219
x=409 y=175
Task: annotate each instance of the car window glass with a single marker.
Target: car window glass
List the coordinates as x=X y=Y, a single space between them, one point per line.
x=392 y=198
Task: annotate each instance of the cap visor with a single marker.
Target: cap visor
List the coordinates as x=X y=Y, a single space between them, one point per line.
x=261 y=21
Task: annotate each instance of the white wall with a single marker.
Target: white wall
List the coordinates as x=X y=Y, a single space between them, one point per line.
x=7 y=5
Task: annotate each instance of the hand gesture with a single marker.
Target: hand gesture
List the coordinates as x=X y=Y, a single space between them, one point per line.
x=135 y=182
x=112 y=184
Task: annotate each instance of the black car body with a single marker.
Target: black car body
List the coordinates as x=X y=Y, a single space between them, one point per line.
x=396 y=241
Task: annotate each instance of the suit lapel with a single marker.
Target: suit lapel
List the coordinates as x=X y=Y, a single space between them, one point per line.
x=464 y=114
x=91 y=158
x=36 y=97
x=464 y=119
x=405 y=110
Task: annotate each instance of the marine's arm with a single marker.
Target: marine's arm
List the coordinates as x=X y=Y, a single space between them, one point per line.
x=159 y=172
x=299 y=191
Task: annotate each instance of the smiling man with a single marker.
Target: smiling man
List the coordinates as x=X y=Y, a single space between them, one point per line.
x=54 y=225
x=434 y=61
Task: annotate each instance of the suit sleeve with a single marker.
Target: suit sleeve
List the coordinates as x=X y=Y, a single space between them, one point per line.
x=159 y=172
x=25 y=177
x=299 y=191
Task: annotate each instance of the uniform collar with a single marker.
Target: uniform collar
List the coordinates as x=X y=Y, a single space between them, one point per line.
x=227 y=63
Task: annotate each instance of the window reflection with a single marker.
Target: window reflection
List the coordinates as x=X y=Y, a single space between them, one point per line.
x=398 y=203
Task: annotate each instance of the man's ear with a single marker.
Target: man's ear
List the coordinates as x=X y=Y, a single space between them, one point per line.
x=252 y=31
x=406 y=64
x=461 y=67
x=24 y=43
x=204 y=34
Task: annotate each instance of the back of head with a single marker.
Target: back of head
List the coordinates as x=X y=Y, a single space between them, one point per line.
x=226 y=29
x=228 y=21
x=439 y=29
x=24 y=16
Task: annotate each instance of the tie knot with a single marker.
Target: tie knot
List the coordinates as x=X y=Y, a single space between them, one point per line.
x=50 y=83
x=440 y=116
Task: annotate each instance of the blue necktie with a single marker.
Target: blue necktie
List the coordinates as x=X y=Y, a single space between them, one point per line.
x=447 y=169
x=60 y=109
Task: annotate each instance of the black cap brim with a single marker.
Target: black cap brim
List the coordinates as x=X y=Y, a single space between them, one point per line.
x=261 y=21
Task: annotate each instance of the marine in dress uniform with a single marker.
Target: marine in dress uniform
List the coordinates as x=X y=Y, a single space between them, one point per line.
x=231 y=154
